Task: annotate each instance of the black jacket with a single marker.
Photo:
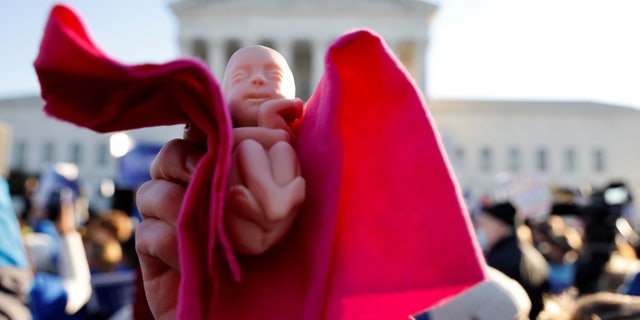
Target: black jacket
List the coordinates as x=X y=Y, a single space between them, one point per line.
x=525 y=264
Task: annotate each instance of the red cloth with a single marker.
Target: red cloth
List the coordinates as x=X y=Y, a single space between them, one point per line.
x=382 y=233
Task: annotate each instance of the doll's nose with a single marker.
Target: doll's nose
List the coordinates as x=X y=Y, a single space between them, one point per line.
x=257 y=80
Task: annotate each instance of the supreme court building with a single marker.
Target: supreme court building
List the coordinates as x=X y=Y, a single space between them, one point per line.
x=569 y=144
x=302 y=30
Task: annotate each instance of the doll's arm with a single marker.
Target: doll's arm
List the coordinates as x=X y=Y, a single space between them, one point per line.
x=274 y=117
x=279 y=113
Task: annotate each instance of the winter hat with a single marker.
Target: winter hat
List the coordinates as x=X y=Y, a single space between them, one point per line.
x=503 y=211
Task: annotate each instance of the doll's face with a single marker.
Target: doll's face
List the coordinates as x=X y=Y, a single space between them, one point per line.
x=254 y=75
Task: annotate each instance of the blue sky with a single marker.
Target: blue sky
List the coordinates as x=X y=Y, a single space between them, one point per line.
x=489 y=49
x=131 y=31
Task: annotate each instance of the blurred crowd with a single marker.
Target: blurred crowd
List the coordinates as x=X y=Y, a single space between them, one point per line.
x=61 y=260
x=578 y=260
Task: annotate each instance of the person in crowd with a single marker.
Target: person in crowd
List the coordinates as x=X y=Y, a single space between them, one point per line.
x=112 y=267
x=62 y=282
x=599 y=243
x=57 y=284
x=103 y=250
x=560 y=245
x=105 y=236
x=15 y=272
x=519 y=260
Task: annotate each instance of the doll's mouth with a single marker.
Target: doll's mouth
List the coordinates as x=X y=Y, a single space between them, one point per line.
x=257 y=95
x=257 y=100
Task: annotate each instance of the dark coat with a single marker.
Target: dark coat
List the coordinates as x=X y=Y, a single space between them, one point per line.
x=523 y=263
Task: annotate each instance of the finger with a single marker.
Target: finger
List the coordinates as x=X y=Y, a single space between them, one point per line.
x=176 y=161
x=243 y=204
x=160 y=199
x=157 y=242
x=283 y=105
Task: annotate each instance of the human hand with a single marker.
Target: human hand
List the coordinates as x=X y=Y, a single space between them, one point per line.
x=159 y=202
x=65 y=222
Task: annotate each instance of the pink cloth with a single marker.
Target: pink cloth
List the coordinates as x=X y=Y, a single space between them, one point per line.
x=382 y=233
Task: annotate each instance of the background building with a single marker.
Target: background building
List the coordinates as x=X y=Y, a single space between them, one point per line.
x=302 y=30
x=564 y=144
x=39 y=140
x=560 y=143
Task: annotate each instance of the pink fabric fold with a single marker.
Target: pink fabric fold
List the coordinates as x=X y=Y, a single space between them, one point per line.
x=398 y=238
x=383 y=232
x=82 y=85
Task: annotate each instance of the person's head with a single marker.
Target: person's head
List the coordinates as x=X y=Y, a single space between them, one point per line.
x=557 y=242
x=495 y=222
x=119 y=223
x=103 y=250
x=254 y=75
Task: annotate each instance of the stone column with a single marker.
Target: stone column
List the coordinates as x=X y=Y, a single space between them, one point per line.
x=285 y=47
x=216 y=57
x=318 y=52
x=185 y=46
x=421 y=65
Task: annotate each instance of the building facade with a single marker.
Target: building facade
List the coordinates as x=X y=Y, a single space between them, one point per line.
x=38 y=140
x=302 y=30
x=560 y=143
x=563 y=144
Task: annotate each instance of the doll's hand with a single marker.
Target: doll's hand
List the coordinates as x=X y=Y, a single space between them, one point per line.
x=274 y=118
x=279 y=113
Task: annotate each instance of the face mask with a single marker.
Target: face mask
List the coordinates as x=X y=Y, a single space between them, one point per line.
x=482 y=239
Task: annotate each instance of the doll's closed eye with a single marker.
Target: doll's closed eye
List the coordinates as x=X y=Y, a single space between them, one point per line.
x=239 y=75
x=276 y=75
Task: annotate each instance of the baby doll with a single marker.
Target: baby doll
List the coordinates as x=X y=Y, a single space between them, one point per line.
x=264 y=187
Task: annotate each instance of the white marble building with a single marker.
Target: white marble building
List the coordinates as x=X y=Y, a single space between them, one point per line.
x=562 y=143
x=37 y=140
x=302 y=30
